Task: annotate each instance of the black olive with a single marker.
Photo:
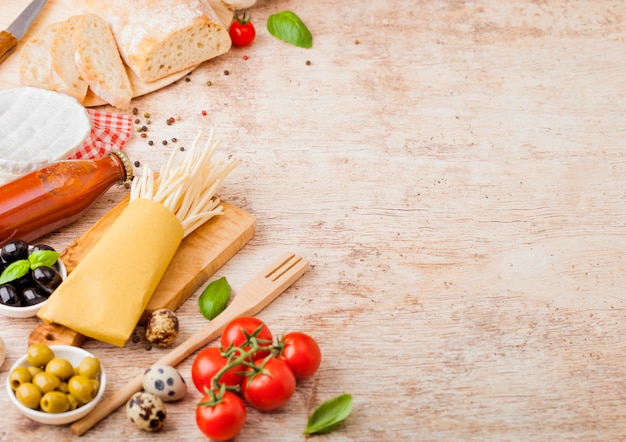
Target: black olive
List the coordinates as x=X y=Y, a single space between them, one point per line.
x=47 y=278
x=9 y=296
x=37 y=247
x=14 y=250
x=33 y=295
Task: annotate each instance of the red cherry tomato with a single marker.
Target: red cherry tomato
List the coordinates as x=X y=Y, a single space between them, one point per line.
x=206 y=365
x=242 y=31
x=301 y=353
x=271 y=388
x=223 y=421
x=238 y=331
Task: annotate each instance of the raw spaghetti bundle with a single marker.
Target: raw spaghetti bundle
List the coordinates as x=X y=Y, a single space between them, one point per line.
x=107 y=292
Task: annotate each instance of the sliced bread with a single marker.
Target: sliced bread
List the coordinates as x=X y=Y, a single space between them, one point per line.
x=157 y=38
x=64 y=73
x=99 y=61
x=35 y=59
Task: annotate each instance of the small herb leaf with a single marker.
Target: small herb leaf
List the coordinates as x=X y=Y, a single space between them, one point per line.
x=43 y=258
x=214 y=298
x=287 y=26
x=329 y=414
x=14 y=271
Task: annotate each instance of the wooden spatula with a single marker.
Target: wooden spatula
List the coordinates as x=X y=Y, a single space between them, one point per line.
x=253 y=297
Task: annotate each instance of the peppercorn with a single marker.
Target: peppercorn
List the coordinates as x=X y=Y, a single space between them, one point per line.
x=245 y=57
x=164 y=142
x=150 y=143
x=144 y=128
x=146 y=115
x=181 y=148
x=137 y=121
x=187 y=79
x=308 y=62
x=135 y=111
x=203 y=112
x=226 y=72
x=137 y=164
x=144 y=135
x=209 y=83
x=174 y=140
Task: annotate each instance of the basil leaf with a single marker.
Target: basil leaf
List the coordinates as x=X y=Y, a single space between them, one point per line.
x=214 y=298
x=14 y=271
x=43 y=258
x=287 y=26
x=329 y=414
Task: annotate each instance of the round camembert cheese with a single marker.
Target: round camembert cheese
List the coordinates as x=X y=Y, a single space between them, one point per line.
x=38 y=127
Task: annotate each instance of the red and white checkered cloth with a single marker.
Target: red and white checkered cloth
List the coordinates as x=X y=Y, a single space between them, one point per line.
x=109 y=131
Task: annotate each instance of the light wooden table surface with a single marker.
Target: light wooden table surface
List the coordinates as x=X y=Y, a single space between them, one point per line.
x=455 y=172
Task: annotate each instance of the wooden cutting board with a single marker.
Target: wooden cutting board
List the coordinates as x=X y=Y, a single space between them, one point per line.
x=58 y=10
x=198 y=257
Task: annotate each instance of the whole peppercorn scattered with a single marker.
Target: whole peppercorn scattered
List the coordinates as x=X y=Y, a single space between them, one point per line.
x=137 y=121
x=308 y=62
x=209 y=83
x=144 y=128
x=174 y=140
x=203 y=112
x=226 y=72
x=144 y=135
x=135 y=111
x=245 y=57
x=170 y=121
x=148 y=121
x=150 y=143
x=146 y=115
x=164 y=142
x=137 y=164
x=187 y=79
x=181 y=148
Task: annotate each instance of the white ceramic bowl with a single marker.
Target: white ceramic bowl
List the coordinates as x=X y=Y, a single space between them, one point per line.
x=73 y=355
x=31 y=310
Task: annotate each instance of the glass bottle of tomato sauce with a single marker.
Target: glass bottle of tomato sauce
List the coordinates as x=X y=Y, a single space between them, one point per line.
x=56 y=195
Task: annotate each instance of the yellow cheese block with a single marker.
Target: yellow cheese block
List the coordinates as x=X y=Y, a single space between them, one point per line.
x=107 y=292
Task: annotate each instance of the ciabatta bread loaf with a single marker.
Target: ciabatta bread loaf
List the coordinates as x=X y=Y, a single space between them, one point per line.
x=35 y=58
x=65 y=75
x=160 y=37
x=99 y=61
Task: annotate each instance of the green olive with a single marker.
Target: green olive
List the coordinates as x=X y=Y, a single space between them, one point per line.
x=63 y=388
x=72 y=401
x=46 y=381
x=54 y=402
x=19 y=376
x=89 y=367
x=39 y=355
x=82 y=388
x=61 y=368
x=29 y=395
x=34 y=370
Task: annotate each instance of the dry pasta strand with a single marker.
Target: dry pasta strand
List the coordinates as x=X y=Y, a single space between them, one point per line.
x=187 y=188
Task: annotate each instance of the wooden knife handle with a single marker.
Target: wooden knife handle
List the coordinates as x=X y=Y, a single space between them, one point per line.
x=7 y=43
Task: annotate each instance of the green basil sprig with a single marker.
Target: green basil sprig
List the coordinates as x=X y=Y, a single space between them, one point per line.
x=329 y=414
x=214 y=298
x=287 y=26
x=21 y=267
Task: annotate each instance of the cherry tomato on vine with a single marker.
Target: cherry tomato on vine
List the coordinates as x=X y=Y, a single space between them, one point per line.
x=271 y=388
x=206 y=365
x=224 y=420
x=301 y=353
x=242 y=31
x=239 y=330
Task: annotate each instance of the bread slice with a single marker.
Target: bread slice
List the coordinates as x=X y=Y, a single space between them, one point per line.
x=64 y=73
x=35 y=58
x=99 y=61
x=157 y=38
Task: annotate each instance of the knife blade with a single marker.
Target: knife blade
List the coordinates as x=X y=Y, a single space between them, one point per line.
x=17 y=29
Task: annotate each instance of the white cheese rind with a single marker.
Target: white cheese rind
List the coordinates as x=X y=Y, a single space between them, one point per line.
x=38 y=127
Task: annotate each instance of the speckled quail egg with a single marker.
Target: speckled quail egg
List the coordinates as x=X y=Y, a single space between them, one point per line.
x=146 y=411
x=162 y=327
x=165 y=382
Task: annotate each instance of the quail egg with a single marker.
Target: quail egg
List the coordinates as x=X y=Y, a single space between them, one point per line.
x=146 y=411
x=162 y=327
x=164 y=382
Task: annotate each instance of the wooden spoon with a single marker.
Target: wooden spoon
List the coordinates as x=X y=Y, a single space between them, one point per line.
x=253 y=297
